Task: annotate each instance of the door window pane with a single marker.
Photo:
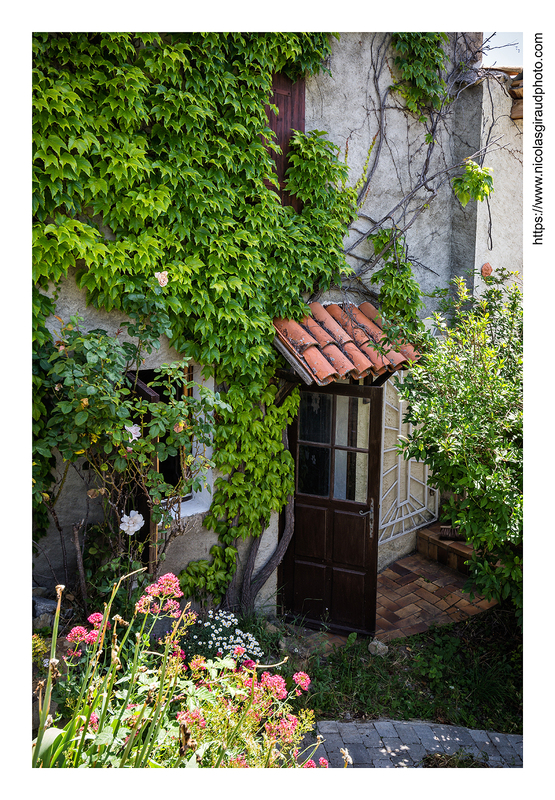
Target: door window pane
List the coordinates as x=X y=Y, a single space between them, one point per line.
x=314 y=470
x=352 y=422
x=315 y=417
x=350 y=476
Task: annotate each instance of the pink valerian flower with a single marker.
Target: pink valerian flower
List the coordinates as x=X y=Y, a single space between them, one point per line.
x=238 y=651
x=198 y=662
x=302 y=680
x=238 y=762
x=142 y=606
x=284 y=729
x=249 y=663
x=165 y=586
x=92 y=636
x=191 y=718
x=93 y=721
x=96 y=620
x=172 y=608
x=275 y=684
x=310 y=764
x=77 y=634
x=73 y=654
x=177 y=652
x=323 y=763
x=161 y=277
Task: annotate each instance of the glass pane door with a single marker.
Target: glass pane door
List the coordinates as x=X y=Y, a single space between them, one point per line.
x=333 y=444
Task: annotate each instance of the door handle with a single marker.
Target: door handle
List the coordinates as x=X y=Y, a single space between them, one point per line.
x=369 y=513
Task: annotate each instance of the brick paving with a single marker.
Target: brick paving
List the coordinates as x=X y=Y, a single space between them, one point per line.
x=414 y=593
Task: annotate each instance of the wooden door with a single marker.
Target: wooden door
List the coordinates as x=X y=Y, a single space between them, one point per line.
x=329 y=572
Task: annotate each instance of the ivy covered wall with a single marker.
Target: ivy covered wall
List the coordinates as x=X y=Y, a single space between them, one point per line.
x=153 y=156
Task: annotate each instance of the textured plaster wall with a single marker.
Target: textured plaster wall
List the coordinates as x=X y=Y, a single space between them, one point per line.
x=346 y=105
x=503 y=247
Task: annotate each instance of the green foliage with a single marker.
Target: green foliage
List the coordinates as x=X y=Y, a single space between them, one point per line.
x=420 y=60
x=468 y=673
x=465 y=403
x=475 y=183
x=400 y=295
x=152 y=155
x=39 y=651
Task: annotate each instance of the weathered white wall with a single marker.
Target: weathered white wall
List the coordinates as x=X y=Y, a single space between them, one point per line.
x=499 y=242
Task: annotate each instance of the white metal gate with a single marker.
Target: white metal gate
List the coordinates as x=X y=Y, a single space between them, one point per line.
x=406 y=502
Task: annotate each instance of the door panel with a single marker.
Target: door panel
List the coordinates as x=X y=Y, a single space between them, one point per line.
x=311 y=527
x=329 y=571
x=350 y=538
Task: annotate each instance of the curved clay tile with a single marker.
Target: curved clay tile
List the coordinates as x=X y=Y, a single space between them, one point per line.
x=341 y=363
x=321 y=368
x=322 y=316
x=294 y=334
x=322 y=337
x=371 y=312
x=363 y=365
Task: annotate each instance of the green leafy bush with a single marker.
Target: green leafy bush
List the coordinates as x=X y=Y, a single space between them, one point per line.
x=465 y=403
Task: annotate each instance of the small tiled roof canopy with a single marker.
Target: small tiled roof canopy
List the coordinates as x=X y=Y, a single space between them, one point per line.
x=337 y=342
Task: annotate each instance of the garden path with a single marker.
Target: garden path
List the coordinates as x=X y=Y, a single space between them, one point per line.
x=413 y=594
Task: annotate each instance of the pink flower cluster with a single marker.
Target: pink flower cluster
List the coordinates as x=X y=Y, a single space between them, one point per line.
x=81 y=634
x=311 y=764
x=166 y=588
x=284 y=730
x=191 y=718
x=302 y=680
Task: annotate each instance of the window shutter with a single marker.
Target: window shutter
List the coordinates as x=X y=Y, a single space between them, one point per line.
x=289 y=97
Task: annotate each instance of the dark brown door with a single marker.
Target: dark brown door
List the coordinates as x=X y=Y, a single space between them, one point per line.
x=329 y=571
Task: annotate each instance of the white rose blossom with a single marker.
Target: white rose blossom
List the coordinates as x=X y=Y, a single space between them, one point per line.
x=132 y=523
x=135 y=432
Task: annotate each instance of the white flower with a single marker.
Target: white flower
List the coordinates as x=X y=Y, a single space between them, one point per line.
x=132 y=523
x=161 y=277
x=135 y=432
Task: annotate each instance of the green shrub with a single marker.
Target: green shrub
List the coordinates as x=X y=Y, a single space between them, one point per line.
x=466 y=409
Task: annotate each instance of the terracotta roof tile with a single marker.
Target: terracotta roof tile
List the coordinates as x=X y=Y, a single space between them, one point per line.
x=337 y=342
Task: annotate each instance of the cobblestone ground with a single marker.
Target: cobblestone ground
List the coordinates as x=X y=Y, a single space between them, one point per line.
x=404 y=744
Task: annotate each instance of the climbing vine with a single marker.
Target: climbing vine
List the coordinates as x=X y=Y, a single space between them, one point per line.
x=153 y=155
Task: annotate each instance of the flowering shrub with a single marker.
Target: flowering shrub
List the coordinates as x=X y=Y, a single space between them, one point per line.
x=219 y=635
x=154 y=710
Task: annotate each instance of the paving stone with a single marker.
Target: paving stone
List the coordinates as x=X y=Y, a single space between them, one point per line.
x=393 y=744
x=383 y=762
x=416 y=752
x=349 y=732
x=406 y=733
x=359 y=753
x=327 y=726
x=333 y=743
x=372 y=739
x=375 y=753
x=480 y=736
x=385 y=729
